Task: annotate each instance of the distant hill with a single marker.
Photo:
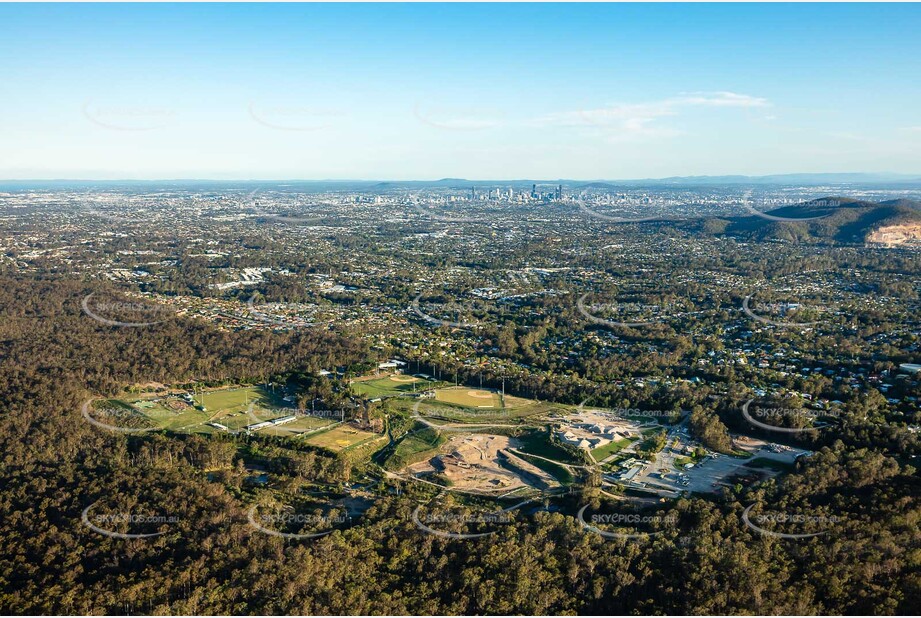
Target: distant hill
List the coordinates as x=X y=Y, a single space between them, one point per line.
x=596 y=185
x=786 y=179
x=801 y=179
x=841 y=219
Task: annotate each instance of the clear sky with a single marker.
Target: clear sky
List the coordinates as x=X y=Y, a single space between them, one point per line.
x=242 y=91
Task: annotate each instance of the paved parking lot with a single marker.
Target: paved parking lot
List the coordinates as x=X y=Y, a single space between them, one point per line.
x=710 y=474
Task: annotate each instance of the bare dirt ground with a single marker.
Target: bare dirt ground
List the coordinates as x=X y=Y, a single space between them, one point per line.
x=471 y=463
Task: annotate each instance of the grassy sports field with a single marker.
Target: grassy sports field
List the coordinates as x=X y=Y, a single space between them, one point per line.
x=469 y=397
x=234 y=408
x=301 y=425
x=389 y=386
x=227 y=401
x=341 y=438
x=454 y=404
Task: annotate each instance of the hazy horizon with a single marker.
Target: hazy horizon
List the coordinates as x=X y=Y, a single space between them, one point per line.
x=862 y=176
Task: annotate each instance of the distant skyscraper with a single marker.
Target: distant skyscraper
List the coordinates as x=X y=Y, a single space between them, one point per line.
x=534 y=190
x=559 y=192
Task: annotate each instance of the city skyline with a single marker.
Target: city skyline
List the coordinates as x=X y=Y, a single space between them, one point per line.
x=267 y=92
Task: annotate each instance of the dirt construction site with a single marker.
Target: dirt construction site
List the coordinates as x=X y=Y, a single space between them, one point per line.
x=483 y=463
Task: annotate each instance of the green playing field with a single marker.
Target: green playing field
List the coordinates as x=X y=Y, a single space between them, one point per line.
x=470 y=397
x=389 y=386
x=235 y=408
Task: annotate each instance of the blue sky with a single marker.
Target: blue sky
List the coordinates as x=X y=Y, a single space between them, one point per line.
x=243 y=91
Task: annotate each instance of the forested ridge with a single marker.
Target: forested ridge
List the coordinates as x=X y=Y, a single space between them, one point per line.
x=209 y=561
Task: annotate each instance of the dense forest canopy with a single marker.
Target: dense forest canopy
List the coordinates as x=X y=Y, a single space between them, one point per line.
x=209 y=561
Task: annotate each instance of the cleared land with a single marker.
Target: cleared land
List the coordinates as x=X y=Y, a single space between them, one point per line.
x=341 y=438
x=473 y=463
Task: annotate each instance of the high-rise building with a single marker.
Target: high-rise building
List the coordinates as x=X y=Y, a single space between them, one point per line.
x=559 y=192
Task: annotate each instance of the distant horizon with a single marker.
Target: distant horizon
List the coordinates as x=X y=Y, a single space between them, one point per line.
x=865 y=176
